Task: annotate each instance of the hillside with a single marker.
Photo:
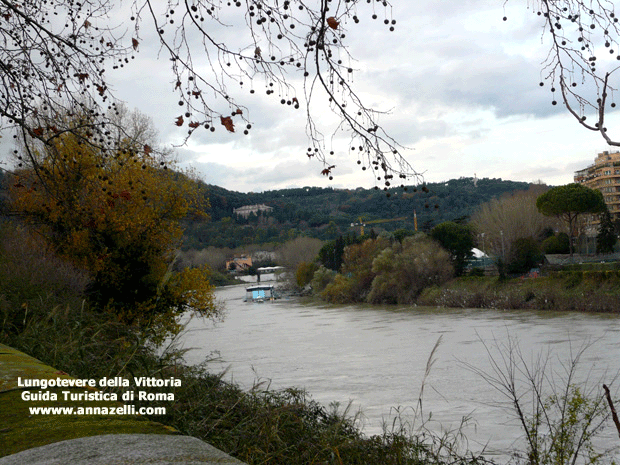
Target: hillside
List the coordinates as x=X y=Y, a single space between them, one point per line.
x=325 y=213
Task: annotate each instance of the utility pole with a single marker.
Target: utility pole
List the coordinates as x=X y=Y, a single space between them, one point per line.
x=503 y=250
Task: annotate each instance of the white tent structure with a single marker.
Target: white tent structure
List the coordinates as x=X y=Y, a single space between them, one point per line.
x=477 y=253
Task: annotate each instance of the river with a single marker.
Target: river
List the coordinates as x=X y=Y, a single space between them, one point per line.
x=375 y=357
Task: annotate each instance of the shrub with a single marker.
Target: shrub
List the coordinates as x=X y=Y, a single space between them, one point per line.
x=571 y=278
x=321 y=278
x=357 y=266
x=402 y=273
x=561 y=415
x=551 y=245
x=524 y=255
x=556 y=244
x=476 y=271
x=305 y=273
x=339 y=291
x=33 y=280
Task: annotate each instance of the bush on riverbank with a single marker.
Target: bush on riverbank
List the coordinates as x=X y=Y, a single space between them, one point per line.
x=590 y=291
x=383 y=271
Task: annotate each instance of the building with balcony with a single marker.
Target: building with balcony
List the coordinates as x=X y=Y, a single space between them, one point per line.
x=604 y=175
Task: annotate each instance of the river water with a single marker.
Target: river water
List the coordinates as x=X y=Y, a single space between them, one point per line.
x=375 y=357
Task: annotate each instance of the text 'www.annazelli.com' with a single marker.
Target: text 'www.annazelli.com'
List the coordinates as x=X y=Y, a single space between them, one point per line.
x=122 y=410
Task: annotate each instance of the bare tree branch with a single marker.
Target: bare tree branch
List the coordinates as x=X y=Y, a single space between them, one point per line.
x=56 y=56
x=583 y=58
x=614 y=415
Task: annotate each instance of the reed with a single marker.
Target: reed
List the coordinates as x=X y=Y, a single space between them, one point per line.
x=561 y=414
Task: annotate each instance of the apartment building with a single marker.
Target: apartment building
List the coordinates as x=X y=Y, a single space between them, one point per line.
x=604 y=175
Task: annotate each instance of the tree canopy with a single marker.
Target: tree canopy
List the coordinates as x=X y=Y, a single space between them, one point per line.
x=511 y=216
x=568 y=202
x=606 y=238
x=117 y=217
x=458 y=240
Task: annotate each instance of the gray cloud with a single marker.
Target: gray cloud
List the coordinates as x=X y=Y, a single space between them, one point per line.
x=452 y=71
x=287 y=173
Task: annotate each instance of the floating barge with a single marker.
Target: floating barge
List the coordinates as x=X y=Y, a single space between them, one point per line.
x=260 y=293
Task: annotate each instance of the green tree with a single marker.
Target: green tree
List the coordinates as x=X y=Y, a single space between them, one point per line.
x=401 y=233
x=606 y=237
x=305 y=272
x=118 y=218
x=404 y=270
x=568 y=202
x=321 y=279
x=457 y=239
x=524 y=255
x=557 y=244
x=331 y=254
x=358 y=260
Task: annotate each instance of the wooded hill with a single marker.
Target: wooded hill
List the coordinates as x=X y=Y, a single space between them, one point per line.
x=326 y=213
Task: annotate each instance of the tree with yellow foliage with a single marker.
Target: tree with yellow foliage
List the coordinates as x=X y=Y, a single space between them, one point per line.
x=117 y=216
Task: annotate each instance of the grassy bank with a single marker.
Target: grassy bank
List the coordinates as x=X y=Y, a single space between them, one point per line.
x=589 y=291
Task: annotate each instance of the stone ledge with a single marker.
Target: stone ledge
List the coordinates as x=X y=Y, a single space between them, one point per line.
x=124 y=449
x=86 y=439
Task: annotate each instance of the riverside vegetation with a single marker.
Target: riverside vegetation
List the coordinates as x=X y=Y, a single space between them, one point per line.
x=44 y=314
x=590 y=291
x=407 y=267
x=419 y=271
x=88 y=285
x=45 y=295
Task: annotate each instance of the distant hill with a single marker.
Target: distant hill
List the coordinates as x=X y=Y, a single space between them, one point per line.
x=326 y=213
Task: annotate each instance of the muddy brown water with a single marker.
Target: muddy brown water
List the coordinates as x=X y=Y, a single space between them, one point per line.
x=375 y=358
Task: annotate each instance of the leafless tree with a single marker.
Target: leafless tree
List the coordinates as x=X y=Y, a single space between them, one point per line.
x=300 y=249
x=583 y=58
x=508 y=218
x=57 y=57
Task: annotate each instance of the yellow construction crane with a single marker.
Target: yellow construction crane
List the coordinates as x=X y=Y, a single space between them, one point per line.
x=361 y=223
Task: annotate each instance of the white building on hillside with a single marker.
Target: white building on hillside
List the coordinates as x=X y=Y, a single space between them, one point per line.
x=246 y=210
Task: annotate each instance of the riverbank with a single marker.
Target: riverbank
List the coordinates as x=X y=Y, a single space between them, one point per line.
x=588 y=291
x=96 y=438
x=259 y=425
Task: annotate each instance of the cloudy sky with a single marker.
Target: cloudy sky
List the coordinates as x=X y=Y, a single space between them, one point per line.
x=460 y=83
